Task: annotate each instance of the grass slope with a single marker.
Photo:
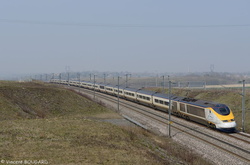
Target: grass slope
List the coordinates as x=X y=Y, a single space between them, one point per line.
x=41 y=122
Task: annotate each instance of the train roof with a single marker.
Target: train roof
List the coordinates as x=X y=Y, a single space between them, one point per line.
x=108 y=85
x=145 y=92
x=120 y=87
x=162 y=95
x=101 y=84
x=201 y=103
x=131 y=89
x=87 y=82
x=191 y=101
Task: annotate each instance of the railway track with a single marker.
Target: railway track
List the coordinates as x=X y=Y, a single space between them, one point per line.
x=230 y=145
x=244 y=135
x=240 y=137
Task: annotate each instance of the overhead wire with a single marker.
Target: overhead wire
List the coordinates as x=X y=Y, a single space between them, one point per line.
x=118 y=25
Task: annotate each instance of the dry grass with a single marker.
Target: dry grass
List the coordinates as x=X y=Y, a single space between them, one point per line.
x=44 y=122
x=62 y=141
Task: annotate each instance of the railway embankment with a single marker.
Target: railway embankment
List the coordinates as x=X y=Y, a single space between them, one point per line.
x=43 y=123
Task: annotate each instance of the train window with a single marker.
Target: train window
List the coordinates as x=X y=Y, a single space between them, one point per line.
x=156 y=100
x=161 y=102
x=166 y=103
x=195 y=110
x=222 y=109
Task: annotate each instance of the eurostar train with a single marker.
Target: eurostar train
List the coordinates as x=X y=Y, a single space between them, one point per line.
x=212 y=114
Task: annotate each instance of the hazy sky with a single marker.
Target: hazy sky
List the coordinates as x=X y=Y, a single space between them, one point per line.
x=45 y=36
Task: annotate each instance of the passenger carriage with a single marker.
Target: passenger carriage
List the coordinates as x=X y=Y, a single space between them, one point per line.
x=121 y=91
x=109 y=89
x=144 y=97
x=130 y=93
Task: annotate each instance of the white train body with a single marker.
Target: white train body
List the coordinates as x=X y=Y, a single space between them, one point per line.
x=212 y=114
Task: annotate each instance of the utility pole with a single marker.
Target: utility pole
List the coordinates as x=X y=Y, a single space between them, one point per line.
x=94 y=86
x=104 y=78
x=243 y=105
x=156 y=81
x=79 y=76
x=169 y=108
x=127 y=79
x=163 y=85
x=68 y=78
x=118 y=96
x=60 y=77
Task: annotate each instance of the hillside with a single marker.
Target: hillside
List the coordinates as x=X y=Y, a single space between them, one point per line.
x=37 y=100
x=44 y=123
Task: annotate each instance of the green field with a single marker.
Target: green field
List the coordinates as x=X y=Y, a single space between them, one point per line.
x=42 y=123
